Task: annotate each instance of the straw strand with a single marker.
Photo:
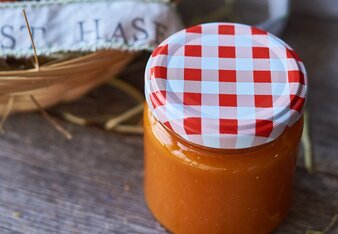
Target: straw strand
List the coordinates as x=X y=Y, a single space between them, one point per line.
x=306 y=141
x=6 y=113
x=37 y=65
x=111 y=124
x=52 y=121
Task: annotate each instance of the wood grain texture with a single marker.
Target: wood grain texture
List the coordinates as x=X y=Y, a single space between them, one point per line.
x=93 y=184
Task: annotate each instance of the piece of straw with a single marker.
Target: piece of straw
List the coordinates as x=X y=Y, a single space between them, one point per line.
x=52 y=121
x=6 y=113
x=75 y=119
x=306 y=141
x=331 y=224
x=37 y=65
x=327 y=228
x=112 y=123
x=120 y=128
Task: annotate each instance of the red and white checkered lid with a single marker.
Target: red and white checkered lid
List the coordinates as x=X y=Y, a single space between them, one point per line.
x=224 y=85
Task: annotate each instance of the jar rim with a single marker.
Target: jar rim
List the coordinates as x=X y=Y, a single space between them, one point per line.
x=218 y=151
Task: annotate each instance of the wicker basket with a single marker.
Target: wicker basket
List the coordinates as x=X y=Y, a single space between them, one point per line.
x=59 y=82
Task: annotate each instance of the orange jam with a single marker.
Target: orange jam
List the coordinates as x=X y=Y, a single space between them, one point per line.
x=194 y=189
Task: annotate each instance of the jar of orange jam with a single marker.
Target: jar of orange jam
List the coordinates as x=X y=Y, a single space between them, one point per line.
x=222 y=126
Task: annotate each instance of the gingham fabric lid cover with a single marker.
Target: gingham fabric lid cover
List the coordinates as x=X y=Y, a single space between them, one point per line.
x=224 y=85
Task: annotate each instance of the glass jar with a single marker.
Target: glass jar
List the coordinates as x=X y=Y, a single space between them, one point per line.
x=222 y=126
x=194 y=189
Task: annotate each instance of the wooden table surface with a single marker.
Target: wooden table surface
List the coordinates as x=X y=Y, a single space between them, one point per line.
x=93 y=184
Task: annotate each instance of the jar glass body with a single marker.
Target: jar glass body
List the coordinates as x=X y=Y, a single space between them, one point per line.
x=194 y=189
